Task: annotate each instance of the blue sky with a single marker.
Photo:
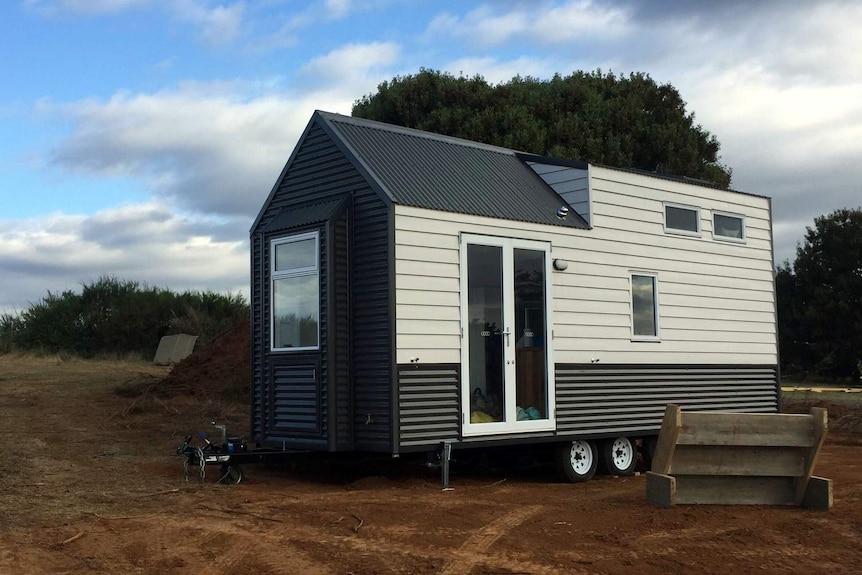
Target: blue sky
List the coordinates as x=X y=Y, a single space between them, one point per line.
x=138 y=138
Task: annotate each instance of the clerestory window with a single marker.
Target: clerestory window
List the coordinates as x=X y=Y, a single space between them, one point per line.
x=729 y=227
x=679 y=219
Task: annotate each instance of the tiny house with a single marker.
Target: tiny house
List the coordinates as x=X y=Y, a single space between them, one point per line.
x=412 y=290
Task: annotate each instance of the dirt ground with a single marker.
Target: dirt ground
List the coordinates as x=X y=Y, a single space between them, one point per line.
x=89 y=484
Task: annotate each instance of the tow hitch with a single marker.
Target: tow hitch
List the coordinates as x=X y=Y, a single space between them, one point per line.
x=198 y=457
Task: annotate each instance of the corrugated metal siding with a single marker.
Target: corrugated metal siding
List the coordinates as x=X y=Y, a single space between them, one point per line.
x=287 y=396
x=324 y=353
x=429 y=405
x=295 y=409
x=372 y=335
x=257 y=336
x=340 y=325
x=632 y=398
x=320 y=172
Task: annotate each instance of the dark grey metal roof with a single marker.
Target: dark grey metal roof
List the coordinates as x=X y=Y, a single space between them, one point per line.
x=426 y=170
x=304 y=215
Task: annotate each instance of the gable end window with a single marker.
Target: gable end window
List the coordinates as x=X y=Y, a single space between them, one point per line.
x=296 y=292
x=679 y=219
x=728 y=227
x=644 y=287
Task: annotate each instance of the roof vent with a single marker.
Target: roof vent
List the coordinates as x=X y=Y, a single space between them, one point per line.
x=563 y=212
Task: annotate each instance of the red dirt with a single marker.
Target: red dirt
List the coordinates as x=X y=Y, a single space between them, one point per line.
x=220 y=368
x=85 y=489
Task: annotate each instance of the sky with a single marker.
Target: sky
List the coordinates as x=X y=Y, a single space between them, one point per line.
x=139 y=138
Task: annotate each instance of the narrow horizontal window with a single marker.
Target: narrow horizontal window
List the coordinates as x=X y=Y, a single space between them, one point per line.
x=681 y=220
x=296 y=255
x=644 y=306
x=728 y=227
x=295 y=292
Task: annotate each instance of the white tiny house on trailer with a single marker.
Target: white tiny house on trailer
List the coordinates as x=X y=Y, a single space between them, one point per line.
x=412 y=289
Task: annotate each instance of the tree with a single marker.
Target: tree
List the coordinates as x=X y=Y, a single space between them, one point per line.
x=629 y=122
x=820 y=299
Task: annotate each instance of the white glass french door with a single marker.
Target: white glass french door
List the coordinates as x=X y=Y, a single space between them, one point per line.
x=506 y=352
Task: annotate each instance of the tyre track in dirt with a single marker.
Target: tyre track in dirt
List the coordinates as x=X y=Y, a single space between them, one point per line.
x=475 y=548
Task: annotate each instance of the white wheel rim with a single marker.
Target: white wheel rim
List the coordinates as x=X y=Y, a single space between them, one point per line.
x=581 y=457
x=622 y=452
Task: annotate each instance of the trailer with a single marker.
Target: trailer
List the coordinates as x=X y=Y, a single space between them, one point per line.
x=413 y=292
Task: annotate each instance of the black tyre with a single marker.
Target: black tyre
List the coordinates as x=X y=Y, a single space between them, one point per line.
x=577 y=460
x=619 y=456
x=231 y=474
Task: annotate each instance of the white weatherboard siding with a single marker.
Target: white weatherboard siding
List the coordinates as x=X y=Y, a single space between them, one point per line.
x=716 y=299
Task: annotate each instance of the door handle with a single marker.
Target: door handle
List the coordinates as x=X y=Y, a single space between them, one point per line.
x=507 y=333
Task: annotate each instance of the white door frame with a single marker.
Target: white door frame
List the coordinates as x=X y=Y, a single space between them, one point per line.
x=511 y=424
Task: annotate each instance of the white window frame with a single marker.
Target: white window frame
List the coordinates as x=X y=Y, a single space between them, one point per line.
x=292 y=272
x=721 y=238
x=677 y=231
x=654 y=276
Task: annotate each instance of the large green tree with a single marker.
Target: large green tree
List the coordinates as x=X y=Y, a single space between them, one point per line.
x=820 y=299
x=629 y=122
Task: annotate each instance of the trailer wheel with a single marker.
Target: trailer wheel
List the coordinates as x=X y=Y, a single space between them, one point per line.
x=619 y=456
x=577 y=460
x=231 y=474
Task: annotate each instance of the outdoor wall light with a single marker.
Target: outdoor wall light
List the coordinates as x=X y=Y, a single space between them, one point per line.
x=561 y=265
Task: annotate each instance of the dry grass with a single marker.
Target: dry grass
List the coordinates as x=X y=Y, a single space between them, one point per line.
x=65 y=428
x=844 y=409
x=29 y=368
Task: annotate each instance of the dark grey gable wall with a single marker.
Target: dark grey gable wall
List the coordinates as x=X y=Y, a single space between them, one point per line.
x=319 y=171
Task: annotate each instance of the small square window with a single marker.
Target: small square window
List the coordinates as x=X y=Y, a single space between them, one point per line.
x=683 y=220
x=728 y=227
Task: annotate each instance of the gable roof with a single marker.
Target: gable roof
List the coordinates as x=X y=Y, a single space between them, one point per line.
x=426 y=170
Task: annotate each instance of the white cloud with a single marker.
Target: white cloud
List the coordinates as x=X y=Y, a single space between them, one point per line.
x=211 y=148
x=87 y=7
x=211 y=151
x=798 y=120
x=218 y=25
x=287 y=34
x=545 y=24
x=353 y=68
x=337 y=8
x=785 y=236
x=144 y=242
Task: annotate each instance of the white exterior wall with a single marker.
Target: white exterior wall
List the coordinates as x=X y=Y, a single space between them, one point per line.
x=716 y=298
